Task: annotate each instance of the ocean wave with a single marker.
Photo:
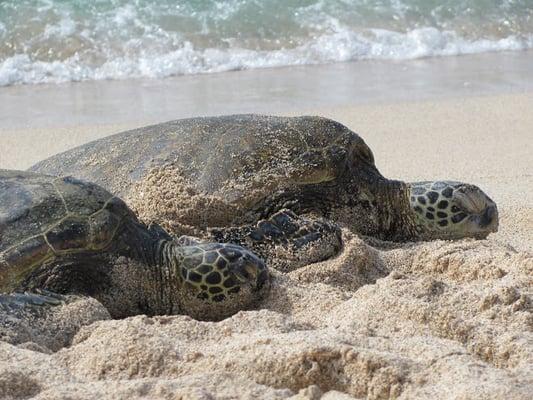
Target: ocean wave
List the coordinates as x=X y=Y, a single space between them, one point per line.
x=339 y=47
x=52 y=41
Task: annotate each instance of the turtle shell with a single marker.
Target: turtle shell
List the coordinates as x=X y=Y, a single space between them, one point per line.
x=42 y=217
x=219 y=153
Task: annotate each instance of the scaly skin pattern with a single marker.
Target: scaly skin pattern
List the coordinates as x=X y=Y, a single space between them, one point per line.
x=296 y=235
x=218 y=270
x=452 y=210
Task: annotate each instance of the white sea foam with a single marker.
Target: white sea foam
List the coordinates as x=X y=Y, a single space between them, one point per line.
x=337 y=47
x=57 y=41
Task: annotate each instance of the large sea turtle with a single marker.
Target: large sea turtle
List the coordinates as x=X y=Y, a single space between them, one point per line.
x=64 y=235
x=270 y=182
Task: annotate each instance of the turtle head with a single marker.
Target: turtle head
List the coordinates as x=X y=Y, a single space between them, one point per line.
x=452 y=210
x=218 y=279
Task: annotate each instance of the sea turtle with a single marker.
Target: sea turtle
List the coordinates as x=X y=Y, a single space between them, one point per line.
x=274 y=182
x=64 y=235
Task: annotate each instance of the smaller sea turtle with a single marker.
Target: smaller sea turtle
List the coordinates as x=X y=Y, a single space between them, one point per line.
x=68 y=236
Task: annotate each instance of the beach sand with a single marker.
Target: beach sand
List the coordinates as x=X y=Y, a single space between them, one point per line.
x=436 y=320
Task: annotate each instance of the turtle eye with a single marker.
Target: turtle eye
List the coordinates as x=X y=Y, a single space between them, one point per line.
x=470 y=199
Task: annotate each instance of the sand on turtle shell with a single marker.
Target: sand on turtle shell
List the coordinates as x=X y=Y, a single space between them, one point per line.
x=165 y=197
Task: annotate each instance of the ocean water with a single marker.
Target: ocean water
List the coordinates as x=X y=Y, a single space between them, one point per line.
x=72 y=40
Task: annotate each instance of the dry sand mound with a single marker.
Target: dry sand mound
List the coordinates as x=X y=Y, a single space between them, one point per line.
x=429 y=320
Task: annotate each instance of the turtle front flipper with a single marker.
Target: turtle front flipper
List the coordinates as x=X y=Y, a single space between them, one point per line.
x=23 y=314
x=285 y=240
x=30 y=302
x=219 y=280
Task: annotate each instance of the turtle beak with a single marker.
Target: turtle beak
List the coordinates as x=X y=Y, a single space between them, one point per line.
x=483 y=218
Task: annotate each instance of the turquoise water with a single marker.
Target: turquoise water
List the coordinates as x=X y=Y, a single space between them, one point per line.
x=59 y=40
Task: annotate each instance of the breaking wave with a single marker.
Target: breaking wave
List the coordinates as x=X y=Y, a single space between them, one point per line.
x=60 y=41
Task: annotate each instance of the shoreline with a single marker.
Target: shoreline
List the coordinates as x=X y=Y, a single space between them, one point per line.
x=41 y=120
x=267 y=91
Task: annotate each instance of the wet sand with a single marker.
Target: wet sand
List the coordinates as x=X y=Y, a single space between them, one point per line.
x=414 y=321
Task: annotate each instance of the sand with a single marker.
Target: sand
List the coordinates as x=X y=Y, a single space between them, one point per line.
x=440 y=320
